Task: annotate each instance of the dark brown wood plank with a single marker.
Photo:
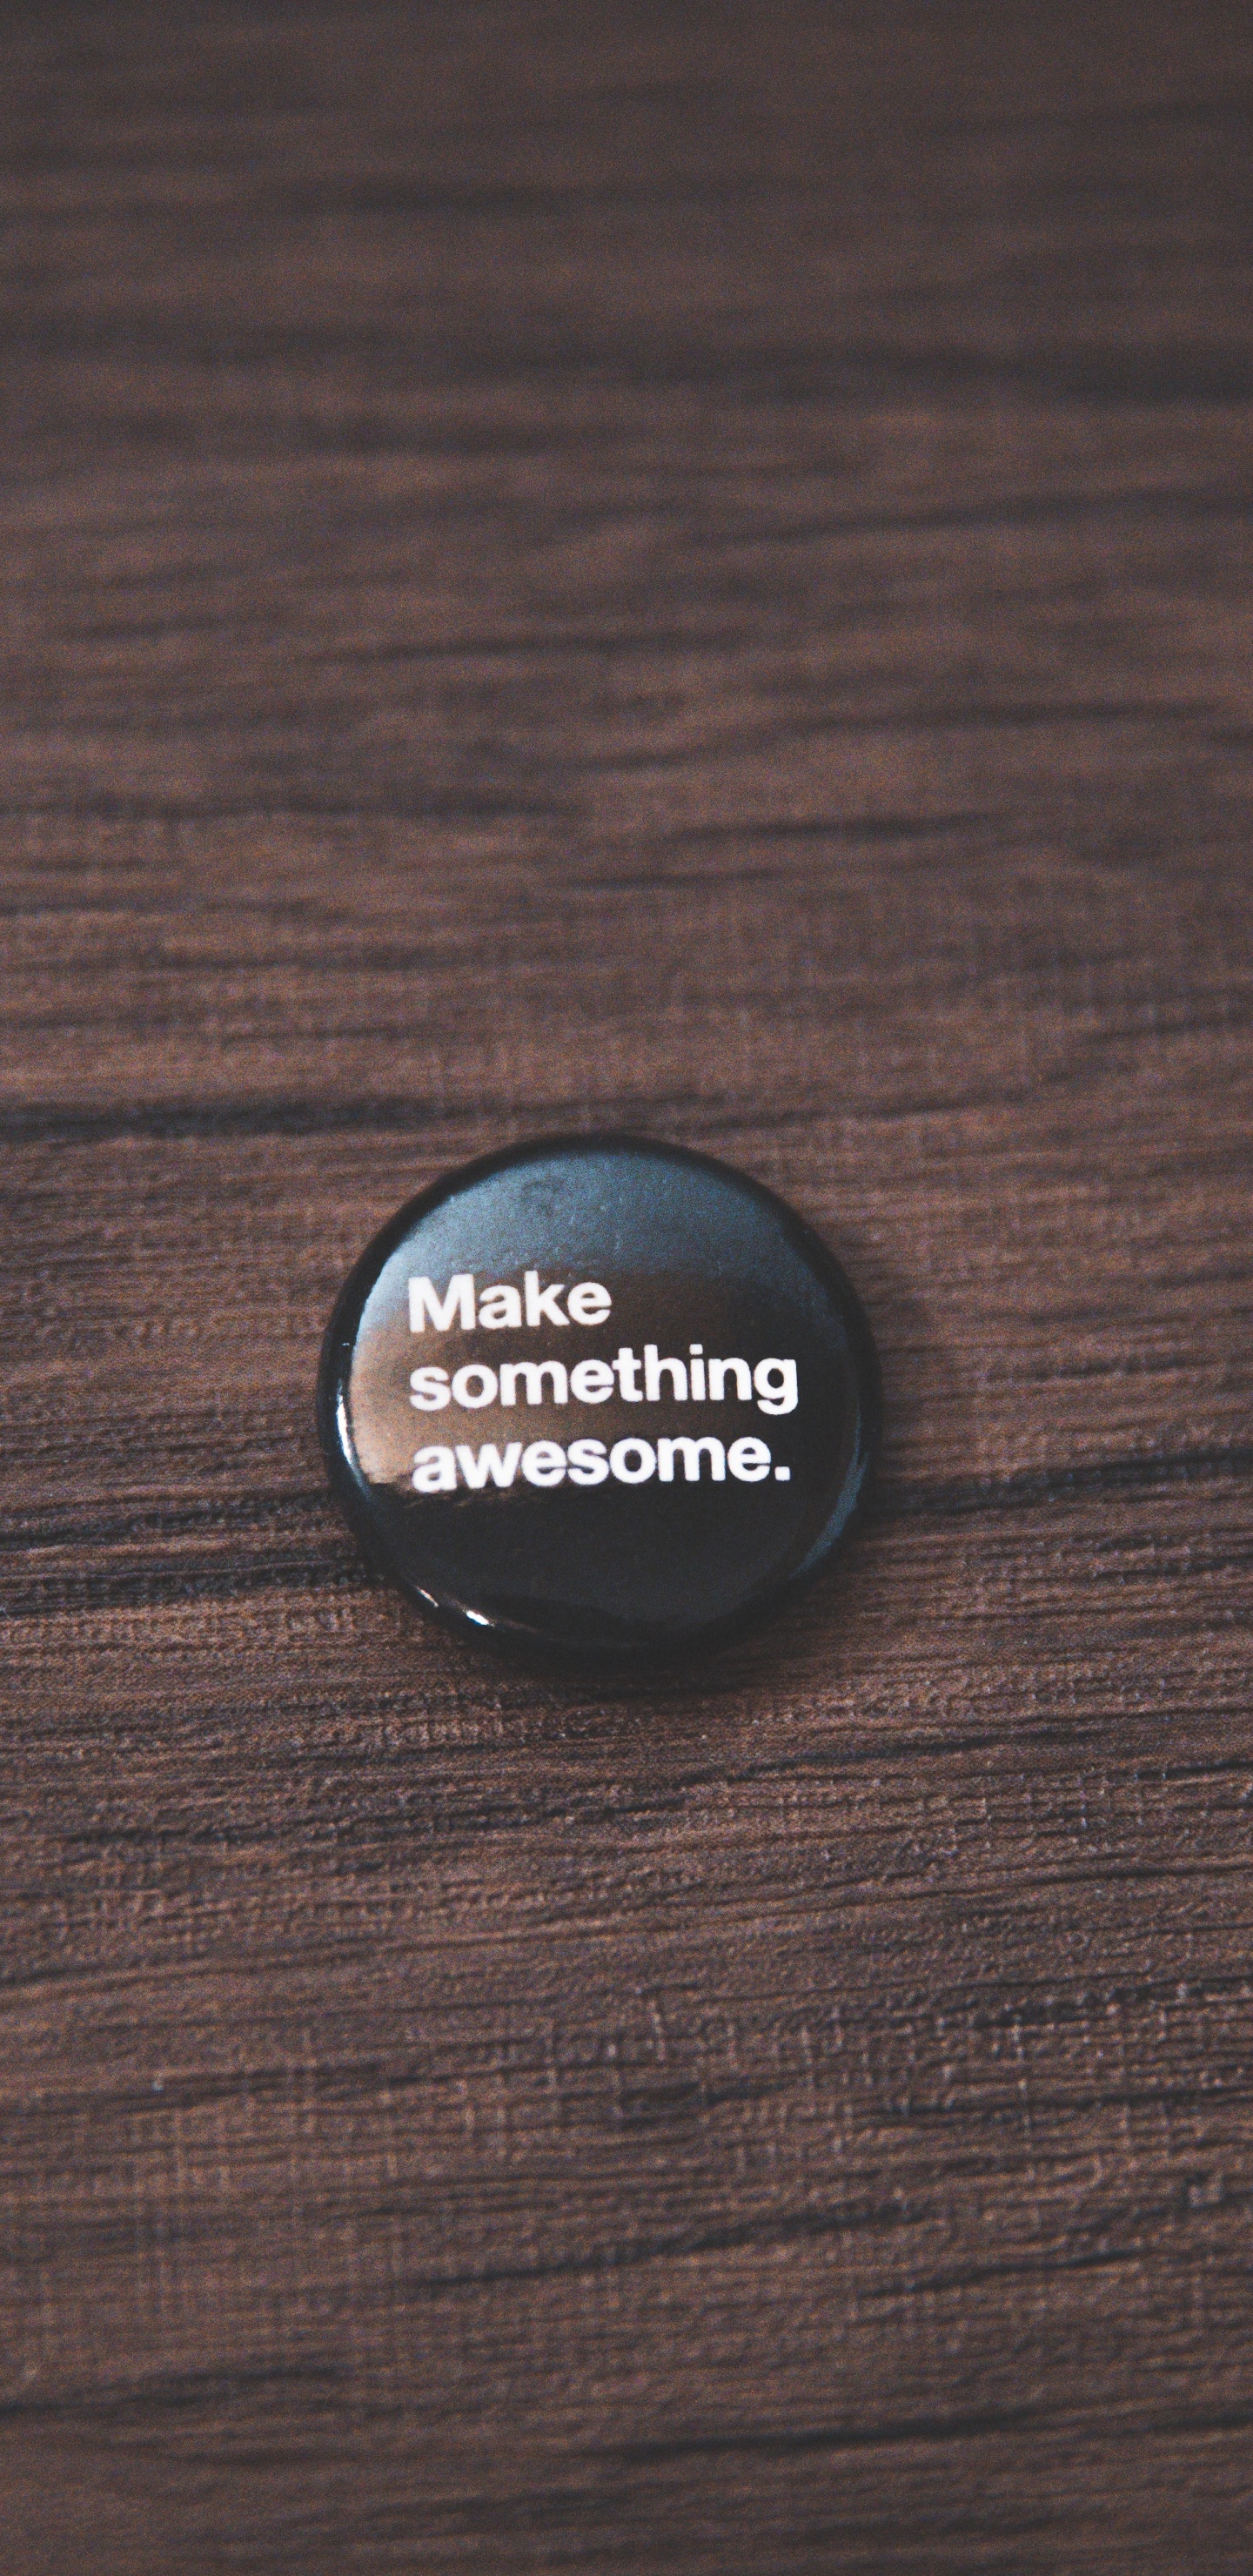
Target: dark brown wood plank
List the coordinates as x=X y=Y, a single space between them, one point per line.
x=689 y=568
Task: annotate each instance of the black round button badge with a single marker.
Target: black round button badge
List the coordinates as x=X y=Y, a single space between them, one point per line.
x=599 y=1397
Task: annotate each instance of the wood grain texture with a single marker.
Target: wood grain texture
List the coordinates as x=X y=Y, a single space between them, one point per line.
x=685 y=568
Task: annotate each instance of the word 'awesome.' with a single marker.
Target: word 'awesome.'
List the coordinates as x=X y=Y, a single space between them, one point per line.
x=630 y=1462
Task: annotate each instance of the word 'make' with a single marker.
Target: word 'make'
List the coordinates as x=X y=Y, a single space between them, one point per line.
x=501 y=1309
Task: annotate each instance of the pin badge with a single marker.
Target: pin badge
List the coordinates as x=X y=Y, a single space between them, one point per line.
x=601 y=1398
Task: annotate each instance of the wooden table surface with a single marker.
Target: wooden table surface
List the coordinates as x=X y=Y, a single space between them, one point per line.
x=685 y=568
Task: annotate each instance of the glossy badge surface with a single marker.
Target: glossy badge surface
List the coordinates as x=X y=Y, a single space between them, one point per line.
x=598 y=1397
